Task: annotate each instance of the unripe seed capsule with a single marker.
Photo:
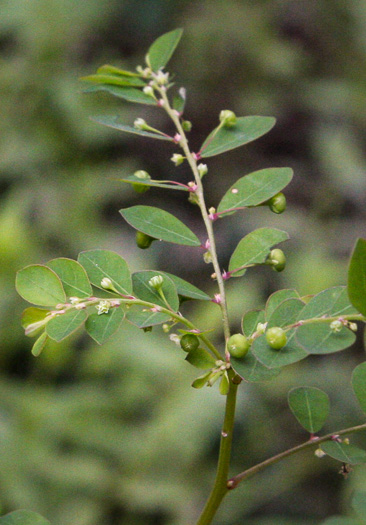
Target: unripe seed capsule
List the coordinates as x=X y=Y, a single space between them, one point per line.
x=238 y=345
x=276 y=337
x=143 y=240
x=228 y=118
x=278 y=203
x=189 y=342
x=277 y=260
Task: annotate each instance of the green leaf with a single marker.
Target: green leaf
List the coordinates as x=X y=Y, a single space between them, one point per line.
x=359 y=384
x=145 y=319
x=128 y=94
x=135 y=180
x=359 y=504
x=186 y=289
x=23 y=517
x=246 y=130
x=111 y=122
x=63 y=325
x=310 y=406
x=159 y=224
x=33 y=320
x=275 y=299
x=73 y=277
x=252 y=370
x=39 y=344
x=331 y=302
x=114 y=80
x=255 y=188
x=254 y=248
x=179 y=101
x=320 y=339
x=113 y=70
x=200 y=358
x=286 y=313
x=289 y=354
x=101 y=327
x=342 y=452
x=162 y=49
x=357 y=276
x=104 y=263
x=201 y=381
x=250 y=321
x=339 y=520
x=39 y=285
x=142 y=290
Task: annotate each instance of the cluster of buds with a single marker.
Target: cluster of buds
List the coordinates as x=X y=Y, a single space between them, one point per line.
x=337 y=325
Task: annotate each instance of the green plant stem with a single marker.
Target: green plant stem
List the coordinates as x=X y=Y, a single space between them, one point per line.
x=317 y=320
x=234 y=482
x=220 y=488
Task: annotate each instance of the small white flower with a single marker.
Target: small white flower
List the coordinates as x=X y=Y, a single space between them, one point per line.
x=175 y=339
x=74 y=300
x=106 y=283
x=103 y=307
x=142 y=174
x=156 y=282
x=162 y=78
x=140 y=123
x=177 y=159
x=202 y=169
x=261 y=328
x=336 y=326
x=80 y=306
x=319 y=453
x=148 y=90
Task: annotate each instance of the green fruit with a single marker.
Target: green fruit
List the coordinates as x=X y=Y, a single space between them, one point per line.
x=189 y=342
x=140 y=188
x=278 y=203
x=277 y=260
x=238 y=345
x=143 y=241
x=276 y=337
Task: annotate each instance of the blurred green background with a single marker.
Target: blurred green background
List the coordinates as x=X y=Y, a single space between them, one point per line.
x=116 y=435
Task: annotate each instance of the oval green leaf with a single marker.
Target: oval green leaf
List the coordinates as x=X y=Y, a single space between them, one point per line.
x=255 y=188
x=73 y=277
x=159 y=224
x=33 y=320
x=164 y=184
x=275 y=299
x=310 y=406
x=145 y=319
x=101 y=327
x=357 y=276
x=250 y=321
x=331 y=302
x=252 y=370
x=186 y=289
x=289 y=354
x=245 y=130
x=359 y=385
x=318 y=338
x=40 y=285
x=112 y=122
x=286 y=313
x=200 y=358
x=162 y=49
x=128 y=94
x=23 y=517
x=63 y=325
x=105 y=263
x=114 y=80
x=346 y=453
x=254 y=248
x=39 y=344
x=142 y=289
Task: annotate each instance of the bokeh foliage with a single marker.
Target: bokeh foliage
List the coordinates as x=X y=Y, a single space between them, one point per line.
x=116 y=435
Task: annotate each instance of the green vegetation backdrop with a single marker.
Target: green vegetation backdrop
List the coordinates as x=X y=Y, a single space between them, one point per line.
x=117 y=436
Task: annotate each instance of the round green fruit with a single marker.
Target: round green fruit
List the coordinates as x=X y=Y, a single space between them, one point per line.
x=189 y=342
x=278 y=203
x=143 y=241
x=238 y=345
x=277 y=260
x=276 y=337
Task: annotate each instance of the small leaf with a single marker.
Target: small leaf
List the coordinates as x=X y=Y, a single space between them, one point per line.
x=113 y=70
x=114 y=80
x=275 y=299
x=142 y=289
x=200 y=358
x=104 y=263
x=39 y=344
x=159 y=224
x=287 y=355
x=255 y=188
x=73 y=277
x=254 y=248
x=23 y=517
x=331 y=302
x=162 y=49
x=320 y=339
x=310 y=406
x=128 y=94
x=250 y=321
x=39 y=285
x=357 y=276
x=252 y=370
x=63 y=325
x=186 y=289
x=101 y=327
x=201 y=381
x=32 y=320
x=286 y=313
x=111 y=122
x=346 y=453
x=179 y=100
x=359 y=384
x=359 y=504
x=135 y=180
x=246 y=130
x=144 y=319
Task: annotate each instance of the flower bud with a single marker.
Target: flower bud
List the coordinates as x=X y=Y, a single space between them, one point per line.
x=106 y=283
x=140 y=124
x=277 y=204
x=177 y=159
x=336 y=326
x=276 y=337
x=186 y=125
x=277 y=260
x=156 y=282
x=202 y=169
x=228 y=118
x=148 y=90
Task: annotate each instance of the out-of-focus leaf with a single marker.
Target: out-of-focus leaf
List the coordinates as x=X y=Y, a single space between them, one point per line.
x=200 y=358
x=310 y=406
x=114 y=80
x=359 y=504
x=250 y=321
x=319 y=338
x=148 y=182
x=162 y=49
x=113 y=70
x=100 y=264
x=40 y=285
x=332 y=302
x=73 y=277
x=39 y=344
x=245 y=130
x=359 y=384
x=357 y=276
x=101 y=327
x=32 y=320
x=254 y=248
x=127 y=93
x=112 y=122
x=277 y=298
x=252 y=370
x=340 y=520
x=159 y=224
x=255 y=188
x=343 y=452
x=179 y=100
x=142 y=289
x=64 y=324
x=23 y=517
